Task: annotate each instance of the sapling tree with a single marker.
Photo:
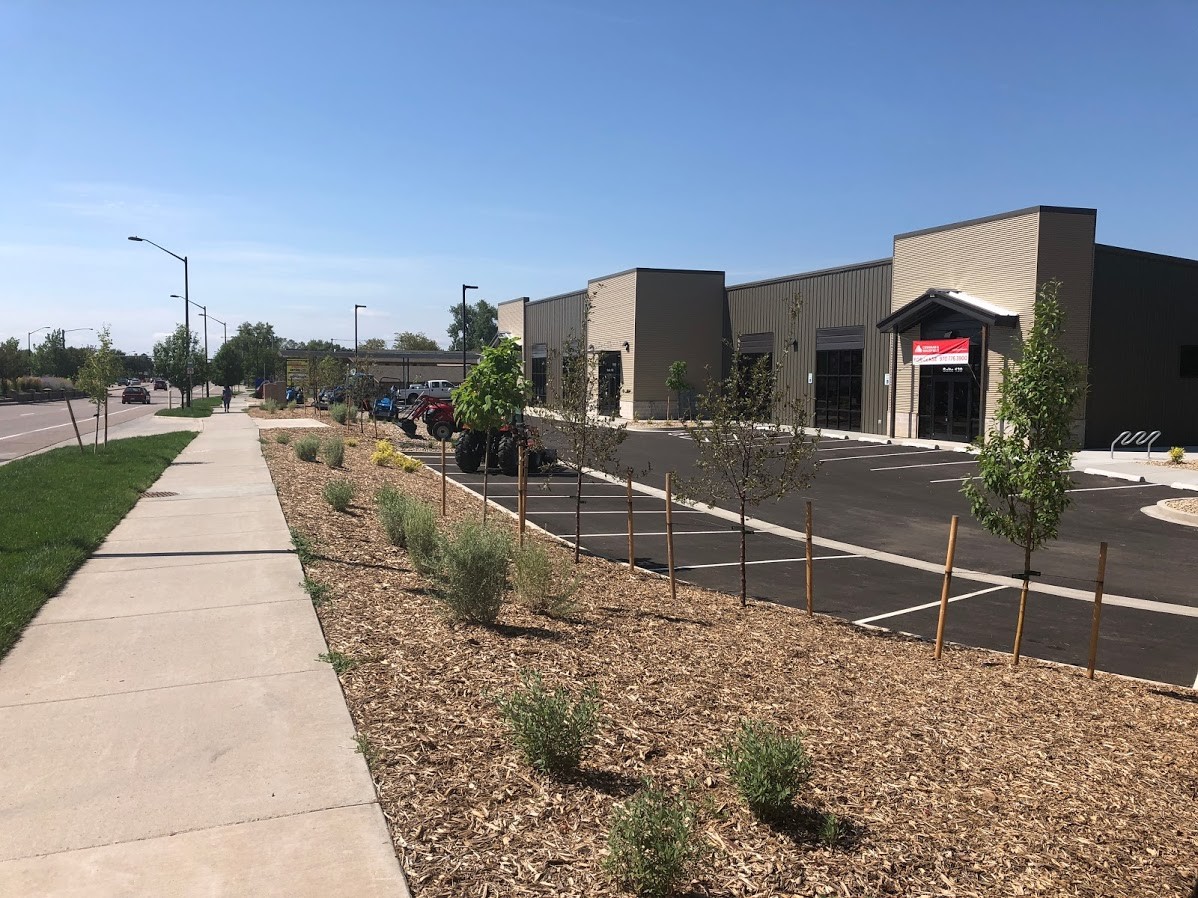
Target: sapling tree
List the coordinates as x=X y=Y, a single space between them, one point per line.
x=676 y=383
x=752 y=439
x=103 y=367
x=1022 y=485
x=493 y=392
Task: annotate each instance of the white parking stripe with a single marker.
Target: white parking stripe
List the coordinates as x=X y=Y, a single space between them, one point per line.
x=695 y=567
x=641 y=533
x=956 y=479
x=883 y=455
x=931 y=464
x=858 y=448
x=1130 y=486
x=624 y=511
x=925 y=606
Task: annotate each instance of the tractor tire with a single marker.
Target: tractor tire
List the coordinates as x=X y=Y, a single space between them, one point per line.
x=442 y=431
x=509 y=455
x=469 y=452
x=408 y=426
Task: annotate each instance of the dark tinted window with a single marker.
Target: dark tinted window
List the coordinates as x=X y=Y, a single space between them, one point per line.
x=1189 y=361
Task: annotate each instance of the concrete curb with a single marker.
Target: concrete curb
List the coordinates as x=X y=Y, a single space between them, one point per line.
x=1117 y=475
x=1162 y=512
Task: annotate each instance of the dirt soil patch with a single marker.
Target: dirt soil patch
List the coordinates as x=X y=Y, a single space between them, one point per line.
x=1190 y=464
x=961 y=779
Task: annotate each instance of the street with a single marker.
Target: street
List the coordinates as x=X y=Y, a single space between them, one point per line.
x=33 y=426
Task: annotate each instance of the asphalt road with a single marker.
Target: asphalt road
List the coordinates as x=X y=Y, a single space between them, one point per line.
x=39 y=425
x=899 y=500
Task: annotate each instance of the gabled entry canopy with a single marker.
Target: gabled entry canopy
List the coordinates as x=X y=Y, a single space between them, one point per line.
x=936 y=300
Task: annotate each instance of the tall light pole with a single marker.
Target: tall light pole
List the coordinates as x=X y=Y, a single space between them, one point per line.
x=465 y=287
x=186 y=311
x=204 y=315
x=225 y=338
x=356 y=307
x=29 y=345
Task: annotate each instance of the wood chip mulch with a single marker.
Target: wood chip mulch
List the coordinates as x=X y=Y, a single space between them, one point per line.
x=958 y=779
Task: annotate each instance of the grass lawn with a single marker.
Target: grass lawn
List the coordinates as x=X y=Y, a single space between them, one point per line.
x=200 y=408
x=56 y=509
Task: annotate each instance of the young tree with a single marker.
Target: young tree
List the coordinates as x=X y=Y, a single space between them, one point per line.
x=328 y=372
x=175 y=353
x=492 y=393
x=752 y=440
x=586 y=439
x=102 y=368
x=416 y=342
x=1023 y=472
x=11 y=367
x=676 y=383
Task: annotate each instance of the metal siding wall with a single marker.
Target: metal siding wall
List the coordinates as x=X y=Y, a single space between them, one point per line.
x=679 y=317
x=1145 y=308
x=995 y=261
x=553 y=322
x=612 y=321
x=851 y=297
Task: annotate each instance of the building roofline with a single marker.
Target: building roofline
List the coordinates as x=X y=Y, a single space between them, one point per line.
x=1076 y=210
x=616 y=274
x=508 y=302
x=1160 y=257
x=820 y=272
x=566 y=295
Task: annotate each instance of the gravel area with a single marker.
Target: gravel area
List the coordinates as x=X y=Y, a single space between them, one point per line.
x=1187 y=505
x=959 y=779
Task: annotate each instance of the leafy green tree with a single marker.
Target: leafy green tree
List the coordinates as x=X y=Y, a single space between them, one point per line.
x=752 y=440
x=259 y=346
x=374 y=344
x=676 y=383
x=102 y=368
x=494 y=391
x=136 y=365
x=228 y=365
x=327 y=372
x=482 y=324
x=416 y=342
x=12 y=363
x=172 y=356
x=1022 y=487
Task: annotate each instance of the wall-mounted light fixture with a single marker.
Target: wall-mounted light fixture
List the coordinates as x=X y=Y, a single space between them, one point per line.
x=626 y=346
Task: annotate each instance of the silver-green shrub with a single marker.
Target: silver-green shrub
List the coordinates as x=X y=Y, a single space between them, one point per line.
x=548 y=726
x=767 y=767
x=307 y=447
x=473 y=572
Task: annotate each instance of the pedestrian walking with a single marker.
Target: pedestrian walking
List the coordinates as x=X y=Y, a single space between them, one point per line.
x=227 y=397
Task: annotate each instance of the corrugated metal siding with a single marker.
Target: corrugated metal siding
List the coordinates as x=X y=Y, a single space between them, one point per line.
x=1145 y=308
x=1067 y=254
x=554 y=322
x=612 y=321
x=679 y=317
x=851 y=297
x=993 y=260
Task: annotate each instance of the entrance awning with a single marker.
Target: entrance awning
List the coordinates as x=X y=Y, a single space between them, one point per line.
x=935 y=300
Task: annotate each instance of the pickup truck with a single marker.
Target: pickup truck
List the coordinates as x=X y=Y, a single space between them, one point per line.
x=434 y=389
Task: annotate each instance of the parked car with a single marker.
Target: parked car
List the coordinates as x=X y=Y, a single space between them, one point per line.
x=433 y=389
x=135 y=394
x=159 y=384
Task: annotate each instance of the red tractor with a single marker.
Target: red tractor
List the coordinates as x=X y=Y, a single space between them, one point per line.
x=504 y=449
x=437 y=415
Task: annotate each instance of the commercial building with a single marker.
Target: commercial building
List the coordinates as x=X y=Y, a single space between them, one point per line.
x=915 y=345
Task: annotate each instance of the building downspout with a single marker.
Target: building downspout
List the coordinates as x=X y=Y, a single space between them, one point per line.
x=893 y=382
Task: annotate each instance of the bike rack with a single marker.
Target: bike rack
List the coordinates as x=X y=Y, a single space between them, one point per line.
x=1139 y=438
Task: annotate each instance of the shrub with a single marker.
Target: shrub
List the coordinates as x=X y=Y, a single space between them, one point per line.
x=305 y=549
x=541 y=586
x=393 y=507
x=270 y=405
x=306 y=448
x=1177 y=454
x=351 y=441
x=384 y=454
x=652 y=845
x=767 y=767
x=333 y=450
x=426 y=546
x=407 y=463
x=472 y=574
x=339 y=412
x=282 y=437
x=338 y=493
x=550 y=730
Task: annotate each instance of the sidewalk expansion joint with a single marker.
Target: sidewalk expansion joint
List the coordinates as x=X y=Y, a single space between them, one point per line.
x=78 y=620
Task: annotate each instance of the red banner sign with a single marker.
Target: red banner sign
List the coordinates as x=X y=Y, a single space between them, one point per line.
x=941 y=352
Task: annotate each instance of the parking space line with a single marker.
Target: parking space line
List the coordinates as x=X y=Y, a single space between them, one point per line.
x=1097 y=489
x=858 y=448
x=624 y=511
x=677 y=533
x=883 y=455
x=695 y=567
x=925 y=606
x=931 y=464
x=956 y=479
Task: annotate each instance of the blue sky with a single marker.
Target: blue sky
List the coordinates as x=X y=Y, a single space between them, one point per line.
x=310 y=156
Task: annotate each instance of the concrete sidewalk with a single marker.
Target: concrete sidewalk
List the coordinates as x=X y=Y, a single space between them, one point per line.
x=165 y=727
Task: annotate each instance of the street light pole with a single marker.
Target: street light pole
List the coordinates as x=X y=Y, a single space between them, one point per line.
x=356 y=307
x=29 y=345
x=465 y=287
x=186 y=316
x=204 y=315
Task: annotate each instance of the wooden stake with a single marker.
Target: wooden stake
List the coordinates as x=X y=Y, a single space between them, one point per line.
x=631 y=536
x=810 y=571
x=522 y=490
x=1097 y=609
x=1027 y=574
x=948 y=582
x=443 y=512
x=74 y=423
x=670 y=533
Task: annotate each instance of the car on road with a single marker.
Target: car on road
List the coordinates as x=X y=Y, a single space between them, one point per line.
x=122 y=381
x=159 y=383
x=135 y=394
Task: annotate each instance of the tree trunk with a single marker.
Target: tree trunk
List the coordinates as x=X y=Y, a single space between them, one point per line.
x=96 y=432
x=486 y=470
x=667 y=406
x=1027 y=566
x=743 y=589
x=578 y=517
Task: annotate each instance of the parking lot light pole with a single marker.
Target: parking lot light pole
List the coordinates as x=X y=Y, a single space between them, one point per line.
x=465 y=287
x=204 y=315
x=29 y=345
x=186 y=311
x=356 y=307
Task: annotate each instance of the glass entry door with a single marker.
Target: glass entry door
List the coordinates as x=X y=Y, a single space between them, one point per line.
x=948 y=406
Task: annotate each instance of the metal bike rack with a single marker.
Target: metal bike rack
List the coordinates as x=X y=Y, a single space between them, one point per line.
x=1139 y=438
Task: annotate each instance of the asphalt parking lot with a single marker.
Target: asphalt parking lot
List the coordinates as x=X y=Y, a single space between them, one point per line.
x=896 y=501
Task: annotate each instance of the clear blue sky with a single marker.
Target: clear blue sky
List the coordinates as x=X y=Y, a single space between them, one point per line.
x=309 y=156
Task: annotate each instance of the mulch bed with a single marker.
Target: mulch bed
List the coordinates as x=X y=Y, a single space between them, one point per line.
x=960 y=779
